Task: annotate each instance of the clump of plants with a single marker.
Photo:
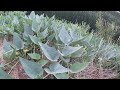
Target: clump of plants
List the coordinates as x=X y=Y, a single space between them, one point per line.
x=50 y=48
x=107 y=30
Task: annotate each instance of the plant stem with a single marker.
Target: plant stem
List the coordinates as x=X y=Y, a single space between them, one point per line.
x=46 y=76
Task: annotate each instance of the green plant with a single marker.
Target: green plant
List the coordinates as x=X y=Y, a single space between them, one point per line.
x=47 y=45
x=108 y=31
x=89 y=17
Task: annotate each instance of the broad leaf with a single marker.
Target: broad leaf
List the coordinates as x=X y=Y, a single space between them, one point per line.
x=43 y=62
x=43 y=34
x=35 y=26
x=66 y=60
x=64 y=36
x=27 y=39
x=32 y=69
x=77 y=42
x=6 y=46
x=56 y=68
x=50 y=52
x=88 y=38
x=7 y=55
x=15 y=20
x=34 y=55
x=13 y=55
x=27 y=30
x=68 y=50
x=4 y=75
x=77 y=67
x=34 y=39
x=51 y=37
x=32 y=15
x=37 y=18
x=61 y=76
x=17 y=42
x=10 y=55
x=74 y=35
x=79 y=53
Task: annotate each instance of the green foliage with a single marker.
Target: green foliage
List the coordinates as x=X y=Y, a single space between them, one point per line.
x=50 y=52
x=89 y=17
x=47 y=45
x=17 y=41
x=77 y=67
x=108 y=31
x=56 y=68
x=34 y=55
x=32 y=69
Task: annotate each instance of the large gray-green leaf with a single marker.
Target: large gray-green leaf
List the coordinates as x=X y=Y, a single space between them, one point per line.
x=6 y=46
x=17 y=42
x=27 y=39
x=61 y=76
x=56 y=32
x=64 y=36
x=32 y=15
x=50 y=52
x=79 y=53
x=77 y=67
x=4 y=75
x=88 y=38
x=77 y=42
x=35 y=26
x=74 y=35
x=27 y=30
x=44 y=34
x=51 y=37
x=37 y=18
x=68 y=50
x=66 y=60
x=34 y=55
x=15 y=20
x=43 y=62
x=9 y=55
x=56 y=68
x=13 y=55
x=32 y=69
x=34 y=39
